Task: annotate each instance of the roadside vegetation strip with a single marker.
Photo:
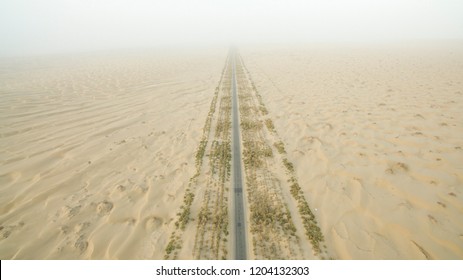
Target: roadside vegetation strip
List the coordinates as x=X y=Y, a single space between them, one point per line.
x=213 y=219
x=312 y=230
x=183 y=216
x=271 y=225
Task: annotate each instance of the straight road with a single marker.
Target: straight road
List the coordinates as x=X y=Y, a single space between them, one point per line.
x=240 y=227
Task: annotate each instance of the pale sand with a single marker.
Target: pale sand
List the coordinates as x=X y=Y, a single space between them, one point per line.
x=376 y=137
x=96 y=151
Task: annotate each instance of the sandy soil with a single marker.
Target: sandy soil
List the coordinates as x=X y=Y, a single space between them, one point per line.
x=97 y=149
x=376 y=137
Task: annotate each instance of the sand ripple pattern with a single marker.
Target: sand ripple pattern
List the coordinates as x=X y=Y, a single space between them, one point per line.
x=376 y=138
x=94 y=151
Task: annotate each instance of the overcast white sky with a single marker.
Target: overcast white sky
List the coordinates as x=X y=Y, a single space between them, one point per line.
x=46 y=26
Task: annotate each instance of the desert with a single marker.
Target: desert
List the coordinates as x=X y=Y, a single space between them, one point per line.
x=348 y=152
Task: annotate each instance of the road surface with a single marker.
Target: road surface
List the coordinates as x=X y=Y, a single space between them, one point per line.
x=239 y=216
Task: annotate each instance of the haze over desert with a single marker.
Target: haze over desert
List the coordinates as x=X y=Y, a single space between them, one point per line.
x=98 y=150
x=172 y=131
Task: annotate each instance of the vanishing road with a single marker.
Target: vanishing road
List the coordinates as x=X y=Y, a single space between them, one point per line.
x=240 y=227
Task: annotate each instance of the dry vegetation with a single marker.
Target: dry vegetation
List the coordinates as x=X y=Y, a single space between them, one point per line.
x=212 y=219
x=273 y=232
x=269 y=212
x=272 y=228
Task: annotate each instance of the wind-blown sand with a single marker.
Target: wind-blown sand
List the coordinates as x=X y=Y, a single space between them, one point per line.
x=96 y=151
x=376 y=137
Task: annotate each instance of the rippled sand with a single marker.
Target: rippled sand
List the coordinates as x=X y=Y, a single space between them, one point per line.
x=96 y=150
x=376 y=135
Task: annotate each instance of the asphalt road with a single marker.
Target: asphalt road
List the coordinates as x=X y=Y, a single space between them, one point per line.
x=240 y=226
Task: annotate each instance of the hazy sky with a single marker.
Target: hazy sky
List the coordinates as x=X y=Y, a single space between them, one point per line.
x=44 y=26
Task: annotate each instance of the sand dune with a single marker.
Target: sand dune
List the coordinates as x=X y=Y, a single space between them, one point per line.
x=95 y=151
x=376 y=137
